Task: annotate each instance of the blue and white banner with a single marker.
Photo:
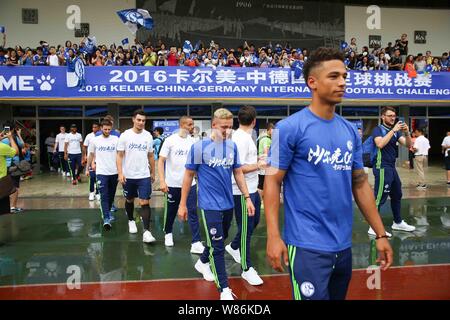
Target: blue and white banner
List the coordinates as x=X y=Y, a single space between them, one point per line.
x=169 y=126
x=135 y=19
x=220 y=83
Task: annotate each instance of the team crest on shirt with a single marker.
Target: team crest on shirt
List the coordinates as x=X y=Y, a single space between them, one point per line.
x=307 y=289
x=213 y=231
x=349 y=145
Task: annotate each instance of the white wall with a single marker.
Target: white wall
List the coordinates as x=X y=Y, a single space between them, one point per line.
x=395 y=21
x=105 y=25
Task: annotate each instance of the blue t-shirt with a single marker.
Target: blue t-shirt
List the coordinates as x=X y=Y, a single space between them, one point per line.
x=318 y=156
x=386 y=156
x=113 y=132
x=214 y=163
x=2 y=60
x=16 y=158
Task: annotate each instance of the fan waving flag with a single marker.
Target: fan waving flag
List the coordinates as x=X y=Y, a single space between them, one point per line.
x=135 y=19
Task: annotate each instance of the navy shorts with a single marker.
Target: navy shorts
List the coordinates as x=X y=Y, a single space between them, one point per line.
x=319 y=275
x=138 y=188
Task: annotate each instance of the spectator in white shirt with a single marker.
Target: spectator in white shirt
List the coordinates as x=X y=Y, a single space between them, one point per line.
x=52 y=59
x=446 y=151
x=421 y=147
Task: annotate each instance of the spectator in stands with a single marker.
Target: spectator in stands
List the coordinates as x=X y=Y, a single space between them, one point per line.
x=420 y=63
x=109 y=60
x=97 y=59
x=172 y=57
x=13 y=60
x=162 y=61
x=192 y=61
x=2 y=57
x=445 y=65
x=52 y=59
x=410 y=66
x=428 y=57
x=136 y=58
x=389 y=49
x=353 y=45
x=402 y=45
x=396 y=61
x=436 y=65
x=382 y=62
x=232 y=61
x=150 y=58
x=27 y=58
x=353 y=60
x=38 y=59
x=209 y=61
x=264 y=61
x=363 y=64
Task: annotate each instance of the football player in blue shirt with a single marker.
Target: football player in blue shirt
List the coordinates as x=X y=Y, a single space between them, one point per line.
x=317 y=155
x=214 y=160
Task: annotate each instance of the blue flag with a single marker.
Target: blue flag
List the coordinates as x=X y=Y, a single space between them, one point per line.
x=2 y=29
x=197 y=45
x=187 y=47
x=125 y=41
x=135 y=19
x=298 y=68
x=75 y=75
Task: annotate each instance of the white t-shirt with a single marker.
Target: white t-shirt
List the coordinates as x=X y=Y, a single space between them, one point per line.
x=446 y=143
x=61 y=140
x=50 y=142
x=176 y=150
x=247 y=155
x=52 y=60
x=88 y=139
x=137 y=146
x=74 y=143
x=105 y=150
x=422 y=145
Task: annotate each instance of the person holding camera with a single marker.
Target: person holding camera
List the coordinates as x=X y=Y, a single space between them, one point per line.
x=13 y=161
x=387 y=180
x=6 y=152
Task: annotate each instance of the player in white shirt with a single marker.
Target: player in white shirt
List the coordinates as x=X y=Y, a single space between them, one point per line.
x=60 y=142
x=420 y=147
x=50 y=143
x=136 y=169
x=72 y=153
x=446 y=151
x=87 y=141
x=172 y=158
x=239 y=248
x=104 y=150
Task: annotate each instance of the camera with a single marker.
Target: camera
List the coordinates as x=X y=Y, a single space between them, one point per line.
x=6 y=129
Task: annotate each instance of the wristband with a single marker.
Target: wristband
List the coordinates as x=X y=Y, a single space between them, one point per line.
x=383 y=236
x=247 y=197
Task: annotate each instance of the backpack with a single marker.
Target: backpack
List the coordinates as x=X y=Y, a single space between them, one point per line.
x=160 y=146
x=369 y=149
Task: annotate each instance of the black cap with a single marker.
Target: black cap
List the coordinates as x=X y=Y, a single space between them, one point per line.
x=73 y=125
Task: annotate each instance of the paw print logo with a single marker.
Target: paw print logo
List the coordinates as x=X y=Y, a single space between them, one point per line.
x=45 y=82
x=50 y=269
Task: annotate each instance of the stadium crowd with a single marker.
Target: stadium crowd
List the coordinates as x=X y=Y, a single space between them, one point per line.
x=395 y=56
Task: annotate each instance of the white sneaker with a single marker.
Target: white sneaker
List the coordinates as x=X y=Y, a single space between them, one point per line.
x=97 y=196
x=372 y=233
x=204 y=269
x=403 y=226
x=234 y=253
x=227 y=294
x=197 y=247
x=68 y=174
x=168 y=240
x=147 y=237
x=252 y=277
x=132 y=227
x=91 y=196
